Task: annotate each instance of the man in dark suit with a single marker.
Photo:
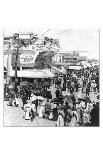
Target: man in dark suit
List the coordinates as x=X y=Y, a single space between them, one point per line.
x=24 y=98
x=95 y=115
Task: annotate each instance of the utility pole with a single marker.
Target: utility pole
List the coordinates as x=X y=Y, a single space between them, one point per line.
x=16 y=65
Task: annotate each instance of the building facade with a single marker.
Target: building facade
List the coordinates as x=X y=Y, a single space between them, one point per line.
x=70 y=58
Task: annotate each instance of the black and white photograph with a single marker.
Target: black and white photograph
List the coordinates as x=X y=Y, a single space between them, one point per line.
x=51 y=77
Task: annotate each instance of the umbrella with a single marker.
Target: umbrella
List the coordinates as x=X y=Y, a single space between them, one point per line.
x=70 y=112
x=60 y=88
x=40 y=98
x=43 y=104
x=55 y=100
x=64 y=93
x=74 y=76
x=31 y=84
x=12 y=92
x=24 y=83
x=66 y=96
x=11 y=86
x=87 y=100
x=68 y=100
x=46 y=84
x=12 y=83
x=34 y=97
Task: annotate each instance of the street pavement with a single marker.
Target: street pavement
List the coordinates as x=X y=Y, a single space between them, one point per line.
x=13 y=116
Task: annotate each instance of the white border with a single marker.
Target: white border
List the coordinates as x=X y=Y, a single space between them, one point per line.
x=54 y=14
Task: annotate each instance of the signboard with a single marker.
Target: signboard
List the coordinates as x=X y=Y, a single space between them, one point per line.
x=27 y=58
x=24 y=36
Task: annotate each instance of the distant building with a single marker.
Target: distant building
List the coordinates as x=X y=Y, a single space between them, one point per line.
x=70 y=58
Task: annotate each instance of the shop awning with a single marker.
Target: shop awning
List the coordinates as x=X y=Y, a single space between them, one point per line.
x=33 y=74
x=62 y=70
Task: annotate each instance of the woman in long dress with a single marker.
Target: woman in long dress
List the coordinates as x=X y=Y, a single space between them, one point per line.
x=33 y=111
x=41 y=110
x=74 y=122
x=27 y=111
x=60 y=121
x=79 y=94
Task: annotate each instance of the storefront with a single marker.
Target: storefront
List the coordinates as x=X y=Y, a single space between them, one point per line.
x=25 y=67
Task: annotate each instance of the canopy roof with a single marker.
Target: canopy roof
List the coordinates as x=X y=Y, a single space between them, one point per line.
x=33 y=74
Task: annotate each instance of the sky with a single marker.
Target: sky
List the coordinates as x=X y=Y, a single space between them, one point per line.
x=84 y=40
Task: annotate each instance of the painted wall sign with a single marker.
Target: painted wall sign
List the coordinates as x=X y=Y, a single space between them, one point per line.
x=27 y=58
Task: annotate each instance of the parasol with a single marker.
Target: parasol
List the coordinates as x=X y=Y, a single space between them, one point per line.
x=87 y=100
x=55 y=100
x=74 y=76
x=43 y=104
x=66 y=96
x=64 y=93
x=40 y=98
x=12 y=92
x=10 y=86
x=24 y=83
x=69 y=100
x=33 y=97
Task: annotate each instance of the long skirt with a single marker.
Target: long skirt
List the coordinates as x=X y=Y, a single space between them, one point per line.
x=60 y=122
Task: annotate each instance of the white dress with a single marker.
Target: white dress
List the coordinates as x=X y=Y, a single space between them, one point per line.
x=73 y=122
x=41 y=110
x=60 y=121
x=79 y=94
x=27 y=109
x=33 y=107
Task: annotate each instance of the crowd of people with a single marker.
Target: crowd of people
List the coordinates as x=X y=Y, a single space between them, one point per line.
x=72 y=105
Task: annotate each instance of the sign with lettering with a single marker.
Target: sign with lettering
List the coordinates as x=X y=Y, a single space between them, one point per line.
x=27 y=58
